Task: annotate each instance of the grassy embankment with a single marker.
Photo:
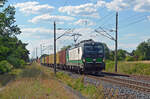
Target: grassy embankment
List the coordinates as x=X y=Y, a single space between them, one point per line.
x=32 y=82
x=135 y=67
x=39 y=82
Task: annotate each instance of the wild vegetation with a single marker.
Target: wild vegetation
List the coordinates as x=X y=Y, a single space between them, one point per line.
x=36 y=81
x=141 y=53
x=136 y=68
x=13 y=53
x=33 y=82
x=137 y=62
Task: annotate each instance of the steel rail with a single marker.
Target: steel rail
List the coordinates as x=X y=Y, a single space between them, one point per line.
x=144 y=87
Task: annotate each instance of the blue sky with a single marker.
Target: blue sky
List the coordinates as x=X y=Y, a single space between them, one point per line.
x=36 y=17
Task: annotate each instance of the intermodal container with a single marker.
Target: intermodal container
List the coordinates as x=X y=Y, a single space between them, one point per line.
x=47 y=59
x=62 y=57
x=51 y=58
x=42 y=60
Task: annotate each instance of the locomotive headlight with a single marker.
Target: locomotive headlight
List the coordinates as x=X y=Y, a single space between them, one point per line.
x=103 y=59
x=83 y=60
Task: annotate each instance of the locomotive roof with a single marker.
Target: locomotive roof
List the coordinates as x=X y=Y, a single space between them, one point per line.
x=84 y=42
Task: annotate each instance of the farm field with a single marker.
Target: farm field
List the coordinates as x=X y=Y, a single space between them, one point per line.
x=134 y=68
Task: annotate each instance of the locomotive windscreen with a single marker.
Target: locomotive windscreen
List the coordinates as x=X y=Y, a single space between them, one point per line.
x=93 y=48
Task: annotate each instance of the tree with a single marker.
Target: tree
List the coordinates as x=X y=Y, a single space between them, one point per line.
x=112 y=55
x=148 y=41
x=107 y=51
x=121 y=54
x=143 y=51
x=5 y=66
x=11 y=49
x=65 y=47
x=7 y=22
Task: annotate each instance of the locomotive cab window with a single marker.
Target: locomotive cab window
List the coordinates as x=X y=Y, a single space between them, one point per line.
x=93 y=49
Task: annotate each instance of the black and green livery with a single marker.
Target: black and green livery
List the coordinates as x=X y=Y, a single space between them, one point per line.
x=87 y=56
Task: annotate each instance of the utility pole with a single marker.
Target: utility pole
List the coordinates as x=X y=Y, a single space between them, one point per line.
x=116 y=42
x=36 y=53
x=54 y=47
x=41 y=49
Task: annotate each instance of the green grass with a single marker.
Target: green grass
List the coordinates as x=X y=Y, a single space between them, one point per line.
x=28 y=72
x=32 y=82
x=88 y=90
x=137 y=68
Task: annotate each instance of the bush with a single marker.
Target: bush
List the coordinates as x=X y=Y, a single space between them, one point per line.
x=129 y=58
x=22 y=63
x=5 y=66
x=16 y=72
x=141 y=58
x=16 y=62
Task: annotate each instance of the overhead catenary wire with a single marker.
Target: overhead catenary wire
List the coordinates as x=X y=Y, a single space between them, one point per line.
x=102 y=20
x=134 y=18
x=107 y=33
x=129 y=17
x=110 y=14
x=132 y=23
x=103 y=34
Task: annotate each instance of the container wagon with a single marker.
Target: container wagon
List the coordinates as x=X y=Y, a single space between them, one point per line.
x=86 y=56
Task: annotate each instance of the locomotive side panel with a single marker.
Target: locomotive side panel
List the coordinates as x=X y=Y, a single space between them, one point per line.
x=74 y=57
x=75 y=54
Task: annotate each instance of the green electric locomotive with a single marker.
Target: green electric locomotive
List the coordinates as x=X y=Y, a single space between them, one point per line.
x=86 y=56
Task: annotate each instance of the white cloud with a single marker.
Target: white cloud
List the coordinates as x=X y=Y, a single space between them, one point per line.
x=35 y=33
x=101 y=3
x=35 y=30
x=118 y=5
x=38 y=33
x=84 y=22
x=142 y=6
x=33 y=7
x=48 y=17
x=148 y=18
x=88 y=10
x=136 y=5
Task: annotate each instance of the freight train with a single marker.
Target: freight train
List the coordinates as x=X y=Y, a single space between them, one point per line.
x=86 y=56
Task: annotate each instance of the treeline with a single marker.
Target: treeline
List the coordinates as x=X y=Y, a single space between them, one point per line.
x=142 y=52
x=13 y=53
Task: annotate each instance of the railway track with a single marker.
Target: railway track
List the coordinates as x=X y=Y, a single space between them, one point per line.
x=124 y=84
x=122 y=80
x=128 y=82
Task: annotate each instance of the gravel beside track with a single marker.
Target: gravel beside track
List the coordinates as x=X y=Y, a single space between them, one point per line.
x=142 y=78
x=111 y=87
